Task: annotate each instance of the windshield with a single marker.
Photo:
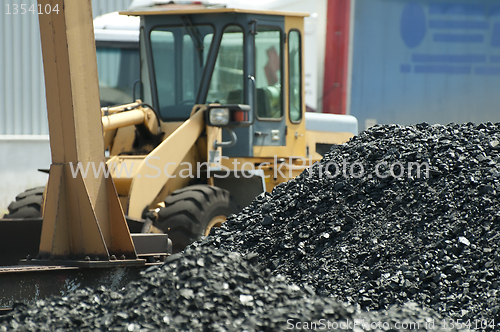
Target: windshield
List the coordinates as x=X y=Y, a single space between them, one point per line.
x=226 y=85
x=118 y=69
x=179 y=57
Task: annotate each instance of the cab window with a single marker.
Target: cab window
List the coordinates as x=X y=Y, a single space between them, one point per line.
x=294 y=74
x=226 y=85
x=179 y=58
x=268 y=73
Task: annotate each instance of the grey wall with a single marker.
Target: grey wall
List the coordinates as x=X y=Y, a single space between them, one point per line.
x=24 y=143
x=100 y=7
x=22 y=89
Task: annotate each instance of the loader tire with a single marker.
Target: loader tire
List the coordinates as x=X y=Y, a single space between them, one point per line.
x=191 y=212
x=27 y=205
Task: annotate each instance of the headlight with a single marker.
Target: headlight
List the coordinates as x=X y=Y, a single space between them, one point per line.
x=219 y=116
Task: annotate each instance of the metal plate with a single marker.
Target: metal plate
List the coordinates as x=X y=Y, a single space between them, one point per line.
x=27 y=284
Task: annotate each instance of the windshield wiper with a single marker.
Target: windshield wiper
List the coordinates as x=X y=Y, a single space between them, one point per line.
x=195 y=35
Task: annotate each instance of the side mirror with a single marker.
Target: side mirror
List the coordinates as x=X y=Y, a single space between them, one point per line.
x=228 y=115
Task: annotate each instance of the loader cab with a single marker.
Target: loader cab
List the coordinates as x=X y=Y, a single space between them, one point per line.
x=228 y=56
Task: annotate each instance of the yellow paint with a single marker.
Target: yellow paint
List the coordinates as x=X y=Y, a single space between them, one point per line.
x=147 y=185
x=82 y=216
x=295 y=138
x=169 y=127
x=276 y=170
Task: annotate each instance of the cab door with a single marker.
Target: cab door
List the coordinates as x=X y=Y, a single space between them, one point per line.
x=269 y=105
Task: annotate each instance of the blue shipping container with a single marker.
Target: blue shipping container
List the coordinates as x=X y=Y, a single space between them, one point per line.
x=432 y=61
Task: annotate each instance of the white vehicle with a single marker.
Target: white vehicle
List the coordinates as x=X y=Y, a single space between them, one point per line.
x=117 y=45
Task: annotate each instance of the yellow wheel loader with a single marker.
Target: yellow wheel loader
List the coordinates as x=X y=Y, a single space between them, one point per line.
x=219 y=118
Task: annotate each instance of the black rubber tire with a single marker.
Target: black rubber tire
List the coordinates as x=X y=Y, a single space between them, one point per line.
x=188 y=212
x=27 y=205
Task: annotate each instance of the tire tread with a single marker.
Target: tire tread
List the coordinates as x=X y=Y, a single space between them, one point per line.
x=184 y=216
x=27 y=204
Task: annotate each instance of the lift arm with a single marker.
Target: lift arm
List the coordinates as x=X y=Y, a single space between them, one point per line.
x=128 y=115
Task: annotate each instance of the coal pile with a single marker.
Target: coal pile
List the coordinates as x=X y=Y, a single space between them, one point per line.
x=205 y=289
x=376 y=239
x=199 y=290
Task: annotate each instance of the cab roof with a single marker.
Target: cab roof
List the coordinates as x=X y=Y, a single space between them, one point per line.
x=177 y=9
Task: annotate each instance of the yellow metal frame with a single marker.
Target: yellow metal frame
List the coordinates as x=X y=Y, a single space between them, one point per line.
x=128 y=115
x=295 y=139
x=82 y=216
x=146 y=186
